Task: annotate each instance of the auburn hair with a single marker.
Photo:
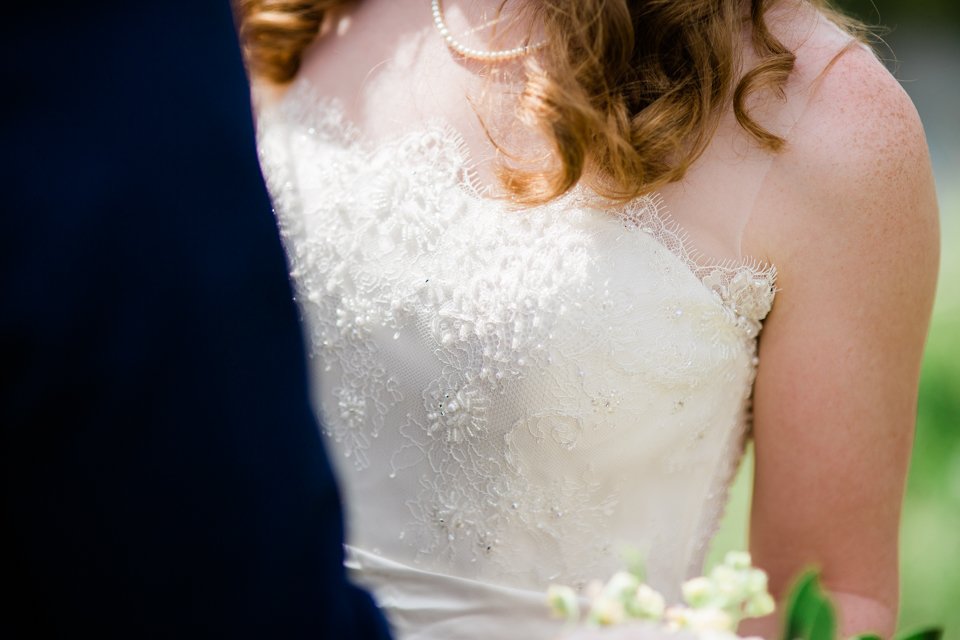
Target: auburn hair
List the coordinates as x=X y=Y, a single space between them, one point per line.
x=627 y=92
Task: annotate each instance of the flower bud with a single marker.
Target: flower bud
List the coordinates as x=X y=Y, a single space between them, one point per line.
x=728 y=584
x=698 y=592
x=710 y=619
x=607 y=611
x=563 y=602
x=621 y=586
x=760 y=605
x=646 y=604
x=676 y=618
x=737 y=560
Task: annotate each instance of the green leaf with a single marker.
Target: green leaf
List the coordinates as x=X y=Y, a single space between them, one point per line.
x=810 y=614
x=824 y=624
x=933 y=633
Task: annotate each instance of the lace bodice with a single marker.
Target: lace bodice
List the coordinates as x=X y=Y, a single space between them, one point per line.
x=511 y=396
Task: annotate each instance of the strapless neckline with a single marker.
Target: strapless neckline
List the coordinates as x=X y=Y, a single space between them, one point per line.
x=325 y=121
x=511 y=396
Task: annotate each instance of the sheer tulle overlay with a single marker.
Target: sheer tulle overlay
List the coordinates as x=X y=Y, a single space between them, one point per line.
x=512 y=397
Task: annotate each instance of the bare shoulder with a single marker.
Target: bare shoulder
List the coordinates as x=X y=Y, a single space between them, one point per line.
x=859 y=120
x=856 y=167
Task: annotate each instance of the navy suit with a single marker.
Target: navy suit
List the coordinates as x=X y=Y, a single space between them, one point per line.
x=162 y=472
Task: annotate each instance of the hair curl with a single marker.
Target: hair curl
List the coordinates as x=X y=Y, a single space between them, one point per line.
x=627 y=92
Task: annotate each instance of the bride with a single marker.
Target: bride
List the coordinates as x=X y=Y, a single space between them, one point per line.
x=534 y=243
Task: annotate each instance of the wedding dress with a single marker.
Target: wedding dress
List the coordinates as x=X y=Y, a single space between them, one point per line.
x=512 y=397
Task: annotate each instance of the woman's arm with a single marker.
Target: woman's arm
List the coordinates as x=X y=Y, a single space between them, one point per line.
x=855 y=238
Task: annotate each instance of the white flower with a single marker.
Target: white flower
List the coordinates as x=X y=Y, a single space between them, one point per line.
x=705 y=620
x=676 y=618
x=728 y=585
x=698 y=592
x=621 y=586
x=756 y=581
x=607 y=611
x=709 y=619
x=761 y=604
x=737 y=560
x=734 y=590
x=563 y=602
x=646 y=604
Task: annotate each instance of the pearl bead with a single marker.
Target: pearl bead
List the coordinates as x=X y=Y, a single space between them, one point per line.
x=470 y=52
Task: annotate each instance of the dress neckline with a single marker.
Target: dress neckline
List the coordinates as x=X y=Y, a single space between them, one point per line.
x=746 y=286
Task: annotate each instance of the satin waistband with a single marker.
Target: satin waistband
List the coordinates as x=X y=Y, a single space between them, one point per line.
x=421 y=605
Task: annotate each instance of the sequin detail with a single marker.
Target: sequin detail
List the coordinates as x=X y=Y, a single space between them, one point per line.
x=504 y=373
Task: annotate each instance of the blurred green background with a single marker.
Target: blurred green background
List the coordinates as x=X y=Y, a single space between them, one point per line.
x=921 y=46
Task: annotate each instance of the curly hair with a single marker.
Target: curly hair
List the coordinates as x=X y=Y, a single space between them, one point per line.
x=627 y=92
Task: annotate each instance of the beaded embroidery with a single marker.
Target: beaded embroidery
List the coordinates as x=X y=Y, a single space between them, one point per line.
x=532 y=340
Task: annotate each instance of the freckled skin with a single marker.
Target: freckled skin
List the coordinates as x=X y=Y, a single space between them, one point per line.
x=855 y=237
x=848 y=215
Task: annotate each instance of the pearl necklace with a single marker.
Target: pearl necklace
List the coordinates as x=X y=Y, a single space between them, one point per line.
x=476 y=54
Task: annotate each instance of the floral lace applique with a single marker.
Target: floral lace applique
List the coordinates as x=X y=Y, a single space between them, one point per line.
x=531 y=349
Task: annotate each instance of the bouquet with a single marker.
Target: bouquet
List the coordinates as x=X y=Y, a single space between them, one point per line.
x=715 y=606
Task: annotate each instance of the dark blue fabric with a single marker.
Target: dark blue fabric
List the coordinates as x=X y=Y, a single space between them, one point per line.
x=162 y=473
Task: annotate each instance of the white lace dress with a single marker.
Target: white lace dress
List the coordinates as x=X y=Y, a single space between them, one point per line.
x=512 y=397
